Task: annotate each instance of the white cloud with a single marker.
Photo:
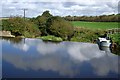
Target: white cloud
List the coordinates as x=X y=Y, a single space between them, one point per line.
x=26 y=44
x=60 y=7
x=82 y=52
x=23 y=47
x=45 y=48
x=107 y=66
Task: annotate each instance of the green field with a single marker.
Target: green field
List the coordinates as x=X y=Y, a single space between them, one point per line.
x=95 y=25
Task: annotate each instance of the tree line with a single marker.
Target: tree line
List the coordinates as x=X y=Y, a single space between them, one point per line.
x=47 y=24
x=42 y=25
x=101 y=18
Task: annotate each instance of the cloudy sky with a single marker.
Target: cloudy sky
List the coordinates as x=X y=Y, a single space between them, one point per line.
x=58 y=7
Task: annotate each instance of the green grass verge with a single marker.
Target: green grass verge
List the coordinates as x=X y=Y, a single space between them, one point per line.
x=95 y=25
x=116 y=38
x=86 y=35
x=51 y=38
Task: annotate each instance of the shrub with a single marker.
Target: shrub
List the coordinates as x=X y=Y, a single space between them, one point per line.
x=20 y=27
x=41 y=22
x=51 y=38
x=59 y=27
x=86 y=35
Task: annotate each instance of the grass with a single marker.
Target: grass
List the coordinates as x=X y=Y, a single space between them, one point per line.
x=95 y=25
x=51 y=38
x=86 y=35
x=116 y=38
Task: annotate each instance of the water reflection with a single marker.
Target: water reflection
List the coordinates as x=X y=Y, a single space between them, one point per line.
x=0 y=60
x=12 y=40
x=107 y=49
x=65 y=59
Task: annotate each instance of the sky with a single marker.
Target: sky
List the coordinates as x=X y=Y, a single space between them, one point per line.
x=58 y=7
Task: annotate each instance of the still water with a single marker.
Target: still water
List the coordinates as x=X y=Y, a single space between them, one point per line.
x=34 y=58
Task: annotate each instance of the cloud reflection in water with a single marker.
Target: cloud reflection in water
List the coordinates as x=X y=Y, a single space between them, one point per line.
x=66 y=58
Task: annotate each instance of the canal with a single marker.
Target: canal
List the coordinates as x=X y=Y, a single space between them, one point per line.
x=34 y=58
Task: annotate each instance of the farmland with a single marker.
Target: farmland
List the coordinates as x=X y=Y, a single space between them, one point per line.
x=95 y=25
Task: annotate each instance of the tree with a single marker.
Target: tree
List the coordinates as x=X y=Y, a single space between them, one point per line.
x=46 y=14
x=59 y=27
x=31 y=29
x=5 y=25
x=101 y=18
x=16 y=25
x=41 y=22
x=20 y=27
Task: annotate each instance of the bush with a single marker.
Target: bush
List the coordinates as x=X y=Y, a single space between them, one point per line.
x=115 y=38
x=41 y=22
x=51 y=38
x=59 y=27
x=86 y=35
x=20 y=27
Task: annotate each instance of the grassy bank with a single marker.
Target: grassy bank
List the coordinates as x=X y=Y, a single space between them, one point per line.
x=51 y=38
x=116 y=41
x=86 y=35
x=116 y=38
x=95 y=25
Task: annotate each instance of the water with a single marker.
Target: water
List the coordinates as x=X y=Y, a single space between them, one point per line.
x=34 y=58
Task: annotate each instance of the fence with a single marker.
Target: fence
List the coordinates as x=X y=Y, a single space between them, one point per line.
x=114 y=30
